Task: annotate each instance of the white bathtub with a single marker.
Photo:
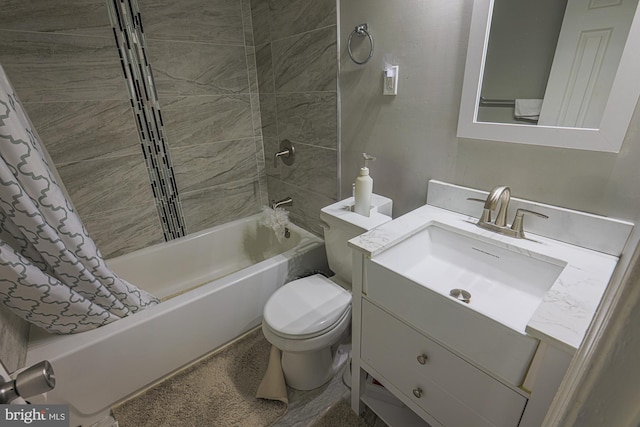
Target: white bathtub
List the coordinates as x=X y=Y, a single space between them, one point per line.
x=220 y=280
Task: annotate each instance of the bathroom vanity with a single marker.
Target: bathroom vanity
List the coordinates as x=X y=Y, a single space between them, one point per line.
x=463 y=326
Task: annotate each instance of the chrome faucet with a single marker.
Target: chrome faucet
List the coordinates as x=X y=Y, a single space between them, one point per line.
x=502 y=195
x=288 y=201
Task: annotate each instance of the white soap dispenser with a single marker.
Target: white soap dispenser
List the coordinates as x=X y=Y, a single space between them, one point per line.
x=364 y=188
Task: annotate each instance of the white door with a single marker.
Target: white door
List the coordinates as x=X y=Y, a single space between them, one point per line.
x=586 y=60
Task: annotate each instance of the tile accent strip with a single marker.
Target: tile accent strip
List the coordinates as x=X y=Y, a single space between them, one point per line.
x=129 y=36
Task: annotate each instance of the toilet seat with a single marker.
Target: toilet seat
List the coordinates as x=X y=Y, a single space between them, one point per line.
x=307 y=308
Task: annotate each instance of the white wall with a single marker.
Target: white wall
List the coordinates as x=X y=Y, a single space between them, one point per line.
x=414 y=134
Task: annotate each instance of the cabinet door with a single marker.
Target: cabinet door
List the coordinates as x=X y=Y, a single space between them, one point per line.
x=453 y=391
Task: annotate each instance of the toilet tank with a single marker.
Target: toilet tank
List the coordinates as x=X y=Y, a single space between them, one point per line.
x=341 y=225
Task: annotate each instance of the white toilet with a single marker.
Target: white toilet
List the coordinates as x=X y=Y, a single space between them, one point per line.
x=305 y=317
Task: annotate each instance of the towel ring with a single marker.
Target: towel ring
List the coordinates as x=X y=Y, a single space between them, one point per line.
x=361 y=31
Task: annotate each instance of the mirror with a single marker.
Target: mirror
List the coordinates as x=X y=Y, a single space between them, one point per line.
x=549 y=73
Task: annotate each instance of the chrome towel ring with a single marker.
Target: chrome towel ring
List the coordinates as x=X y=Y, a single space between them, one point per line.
x=361 y=31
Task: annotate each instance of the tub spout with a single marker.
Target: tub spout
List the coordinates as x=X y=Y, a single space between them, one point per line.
x=288 y=202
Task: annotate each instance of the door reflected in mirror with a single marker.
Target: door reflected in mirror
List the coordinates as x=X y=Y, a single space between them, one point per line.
x=552 y=62
x=552 y=72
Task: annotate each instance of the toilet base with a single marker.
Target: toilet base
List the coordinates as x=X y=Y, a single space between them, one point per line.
x=307 y=370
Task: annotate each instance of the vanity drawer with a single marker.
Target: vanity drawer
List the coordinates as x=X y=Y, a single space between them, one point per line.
x=452 y=391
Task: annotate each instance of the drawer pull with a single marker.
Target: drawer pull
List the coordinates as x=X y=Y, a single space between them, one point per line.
x=417 y=392
x=422 y=359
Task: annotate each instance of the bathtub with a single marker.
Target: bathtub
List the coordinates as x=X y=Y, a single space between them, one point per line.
x=213 y=284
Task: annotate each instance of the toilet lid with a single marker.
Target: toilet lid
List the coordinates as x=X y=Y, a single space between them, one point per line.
x=306 y=306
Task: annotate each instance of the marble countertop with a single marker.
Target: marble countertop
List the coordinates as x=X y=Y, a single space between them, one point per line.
x=563 y=316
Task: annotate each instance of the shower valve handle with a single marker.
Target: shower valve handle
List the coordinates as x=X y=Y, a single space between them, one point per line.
x=287 y=153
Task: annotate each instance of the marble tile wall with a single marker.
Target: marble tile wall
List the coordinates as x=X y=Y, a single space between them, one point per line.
x=203 y=61
x=61 y=58
x=130 y=41
x=296 y=54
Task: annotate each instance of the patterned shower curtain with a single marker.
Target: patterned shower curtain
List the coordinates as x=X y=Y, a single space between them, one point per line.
x=51 y=272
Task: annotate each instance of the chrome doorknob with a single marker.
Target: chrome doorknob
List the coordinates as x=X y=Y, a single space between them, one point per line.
x=34 y=380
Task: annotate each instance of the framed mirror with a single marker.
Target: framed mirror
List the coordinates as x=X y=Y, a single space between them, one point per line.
x=560 y=73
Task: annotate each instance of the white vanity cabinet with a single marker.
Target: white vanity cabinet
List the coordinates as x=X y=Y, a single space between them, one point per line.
x=452 y=391
x=504 y=352
x=434 y=383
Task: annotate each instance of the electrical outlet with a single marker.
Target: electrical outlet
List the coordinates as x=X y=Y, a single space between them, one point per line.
x=390 y=81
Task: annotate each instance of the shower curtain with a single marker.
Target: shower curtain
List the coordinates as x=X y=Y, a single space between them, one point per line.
x=51 y=272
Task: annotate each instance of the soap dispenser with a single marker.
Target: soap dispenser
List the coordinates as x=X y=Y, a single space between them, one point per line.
x=364 y=188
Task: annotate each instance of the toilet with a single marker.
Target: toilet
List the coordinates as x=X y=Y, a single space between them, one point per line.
x=305 y=317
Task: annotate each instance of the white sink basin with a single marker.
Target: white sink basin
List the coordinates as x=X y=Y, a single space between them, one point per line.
x=505 y=284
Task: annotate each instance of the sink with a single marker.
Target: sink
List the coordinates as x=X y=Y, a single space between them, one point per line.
x=522 y=291
x=414 y=279
x=505 y=284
